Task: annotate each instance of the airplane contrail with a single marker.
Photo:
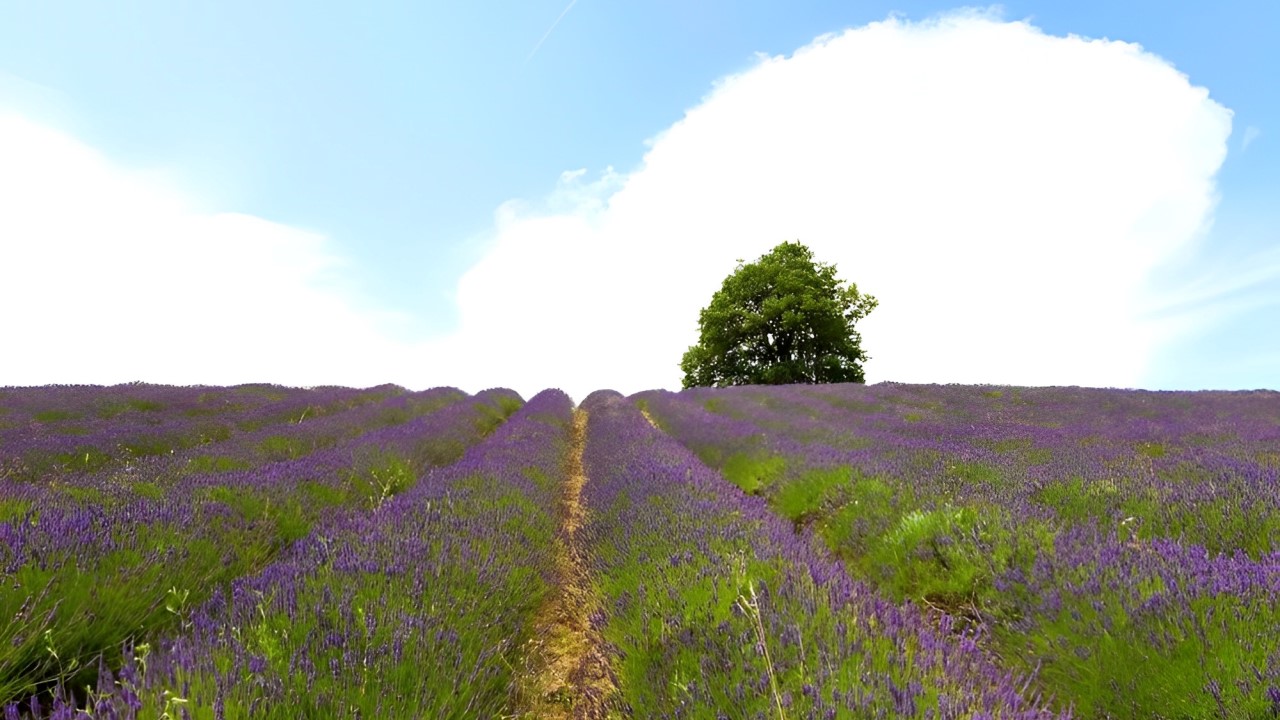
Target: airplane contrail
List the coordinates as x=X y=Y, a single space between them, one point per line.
x=547 y=34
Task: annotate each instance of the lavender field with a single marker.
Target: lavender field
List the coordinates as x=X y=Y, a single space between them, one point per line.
x=839 y=551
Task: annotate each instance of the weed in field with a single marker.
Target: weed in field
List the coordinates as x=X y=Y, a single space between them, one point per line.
x=752 y=471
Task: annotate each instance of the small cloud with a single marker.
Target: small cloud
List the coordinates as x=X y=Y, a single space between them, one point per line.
x=574 y=195
x=1251 y=133
x=569 y=176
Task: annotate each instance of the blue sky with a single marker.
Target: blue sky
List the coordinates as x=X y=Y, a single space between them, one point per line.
x=545 y=193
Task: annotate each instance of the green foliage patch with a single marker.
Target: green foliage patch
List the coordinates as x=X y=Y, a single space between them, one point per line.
x=67 y=614
x=752 y=471
x=492 y=416
x=283 y=447
x=802 y=499
x=961 y=475
x=55 y=416
x=216 y=464
x=108 y=409
x=1076 y=502
x=379 y=474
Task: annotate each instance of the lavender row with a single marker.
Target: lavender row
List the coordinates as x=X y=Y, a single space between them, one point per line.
x=1182 y=465
x=81 y=578
x=57 y=433
x=712 y=606
x=315 y=428
x=97 y=420
x=1121 y=543
x=167 y=487
x=147 y=480
x=420 y=608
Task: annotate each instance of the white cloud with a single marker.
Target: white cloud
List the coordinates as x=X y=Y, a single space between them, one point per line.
x=1006 y=194
x=1251 y=133
x=110 y=276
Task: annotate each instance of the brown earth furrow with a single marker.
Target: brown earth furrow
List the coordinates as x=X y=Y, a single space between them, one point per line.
x=569 y=676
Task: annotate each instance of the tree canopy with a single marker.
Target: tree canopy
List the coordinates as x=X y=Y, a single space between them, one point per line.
x=779 y=320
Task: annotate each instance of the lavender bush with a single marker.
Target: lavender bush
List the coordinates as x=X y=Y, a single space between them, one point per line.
x=101 y=557
x=750 y=552
x=1122 y=545
x=715 y=608
x=417 y=609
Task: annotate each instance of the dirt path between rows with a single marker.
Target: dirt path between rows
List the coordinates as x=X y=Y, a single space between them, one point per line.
x=570 y=677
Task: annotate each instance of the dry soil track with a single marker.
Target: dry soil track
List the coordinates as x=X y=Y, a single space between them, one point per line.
x=569 y=674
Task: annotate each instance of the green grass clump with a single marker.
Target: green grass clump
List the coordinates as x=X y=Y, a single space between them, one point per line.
x=493 y=416
x=438 y=451
x=867 y=510
x=112 y=408
x=54 y=416
x=150 y=445
x=81 y=460
x=801 y=500
x=379 y=474
x=14 y=509
x=1076 y=502
x=928 y=556
x=216 y=464
x=1151 y=449
x=148 y=490
x=283 y=447
x=752 y=471
x=210 y=433
x=964 y=476
x=71 y=610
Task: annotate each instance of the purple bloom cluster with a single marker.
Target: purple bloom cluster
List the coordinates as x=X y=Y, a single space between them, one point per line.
x=418 y=608
x=91 y=559
x=714 y=607
x=43 y=528
x=889 y=551
x=1123 y=544
x=59 y=432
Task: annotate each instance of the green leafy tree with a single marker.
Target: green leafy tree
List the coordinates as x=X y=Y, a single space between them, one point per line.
x=779 y=320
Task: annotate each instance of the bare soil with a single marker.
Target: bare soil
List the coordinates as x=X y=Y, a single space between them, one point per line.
x=568 y=674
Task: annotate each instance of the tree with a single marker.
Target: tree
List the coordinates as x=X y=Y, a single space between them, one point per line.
x=781 y=319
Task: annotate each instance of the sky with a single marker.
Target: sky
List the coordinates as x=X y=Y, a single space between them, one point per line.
x=545 y=194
